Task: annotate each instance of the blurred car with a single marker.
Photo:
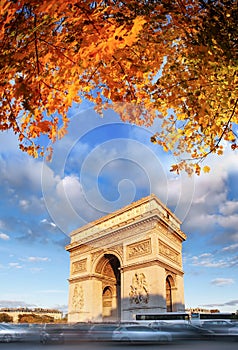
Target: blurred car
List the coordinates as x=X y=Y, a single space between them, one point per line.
x=219 y=327
x=137 y=333
x=77 y=332
x=101 y=332
x=51 y=333
x=32 y=331
x=233 y=331
x=11 y=333
x=222 y=328
x=184 y=331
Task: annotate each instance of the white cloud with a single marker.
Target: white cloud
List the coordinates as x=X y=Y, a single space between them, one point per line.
x=212 y=213
x=228 y=208
x=227 y=221
x=24 y=204
x=50 y=223
x=212 y=260
x=37 y=259
x=15 y=265
x=222 y=281
x=205 y=255
x=228 y=303
x=208 y=260
x=35 y=269
x=231 y=248
x=4 y=237
x=14 y=304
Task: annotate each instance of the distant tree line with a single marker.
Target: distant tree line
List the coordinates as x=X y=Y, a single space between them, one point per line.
x=4 y=317
x=33 y=318
x=26 y=309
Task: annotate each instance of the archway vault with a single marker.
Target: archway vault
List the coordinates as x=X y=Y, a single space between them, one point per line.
x=108 y=267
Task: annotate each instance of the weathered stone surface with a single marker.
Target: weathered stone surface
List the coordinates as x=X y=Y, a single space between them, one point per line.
x=125 y=263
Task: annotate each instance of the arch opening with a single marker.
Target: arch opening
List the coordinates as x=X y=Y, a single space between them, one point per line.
x=169 y=297
x=109 y=269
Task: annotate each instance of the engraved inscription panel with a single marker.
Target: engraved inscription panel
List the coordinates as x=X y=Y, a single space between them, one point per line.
x=140 y=248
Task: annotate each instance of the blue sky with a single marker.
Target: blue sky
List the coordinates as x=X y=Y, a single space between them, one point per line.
x=100 y=166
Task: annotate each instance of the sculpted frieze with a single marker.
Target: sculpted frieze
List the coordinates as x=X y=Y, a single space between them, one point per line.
x=169 y=253
x=139 y=248
x=168 y=234
x=79 y=266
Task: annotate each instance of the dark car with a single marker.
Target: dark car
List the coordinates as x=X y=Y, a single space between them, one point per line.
x=51 y=333
x=184 y=331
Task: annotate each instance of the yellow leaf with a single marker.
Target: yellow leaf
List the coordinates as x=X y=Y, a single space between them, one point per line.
x=206 y=169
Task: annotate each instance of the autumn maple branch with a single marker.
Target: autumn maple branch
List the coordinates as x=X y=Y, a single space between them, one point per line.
x=221 y=136
x=56 y=48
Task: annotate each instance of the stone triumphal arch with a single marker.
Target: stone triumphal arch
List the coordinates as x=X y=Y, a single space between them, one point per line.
x=127 y=263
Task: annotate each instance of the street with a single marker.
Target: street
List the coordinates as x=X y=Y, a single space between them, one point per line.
x=190 y=345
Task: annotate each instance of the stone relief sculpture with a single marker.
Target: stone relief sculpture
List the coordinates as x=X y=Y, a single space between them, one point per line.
x=139 y=289
x=78 y=299
x=136 y=249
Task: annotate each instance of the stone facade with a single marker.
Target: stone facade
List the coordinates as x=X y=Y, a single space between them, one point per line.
x=127 y=263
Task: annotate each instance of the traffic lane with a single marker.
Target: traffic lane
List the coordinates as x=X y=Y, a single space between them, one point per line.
x=188 y=345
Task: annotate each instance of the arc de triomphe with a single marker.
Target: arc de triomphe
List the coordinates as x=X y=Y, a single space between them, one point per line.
x=126 y=263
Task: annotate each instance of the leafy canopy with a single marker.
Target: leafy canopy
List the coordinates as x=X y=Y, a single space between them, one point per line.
x=147 y=59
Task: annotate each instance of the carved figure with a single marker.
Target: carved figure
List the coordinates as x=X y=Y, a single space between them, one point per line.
x=77 y=301
x=139 y=290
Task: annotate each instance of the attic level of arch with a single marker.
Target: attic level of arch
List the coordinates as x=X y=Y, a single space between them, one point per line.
x=148 y=208
x=129 y=229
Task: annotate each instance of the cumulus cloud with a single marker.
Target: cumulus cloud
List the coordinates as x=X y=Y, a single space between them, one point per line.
x=15 y=304
x=209 y=263
x=222 y=281
x=4 y=237
x=15 y=265
x=48 y=223
x=213 y=260
x=231 y=248
x=37 y=259
x=228 y=303
x=228 y=208
x=213 y=216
